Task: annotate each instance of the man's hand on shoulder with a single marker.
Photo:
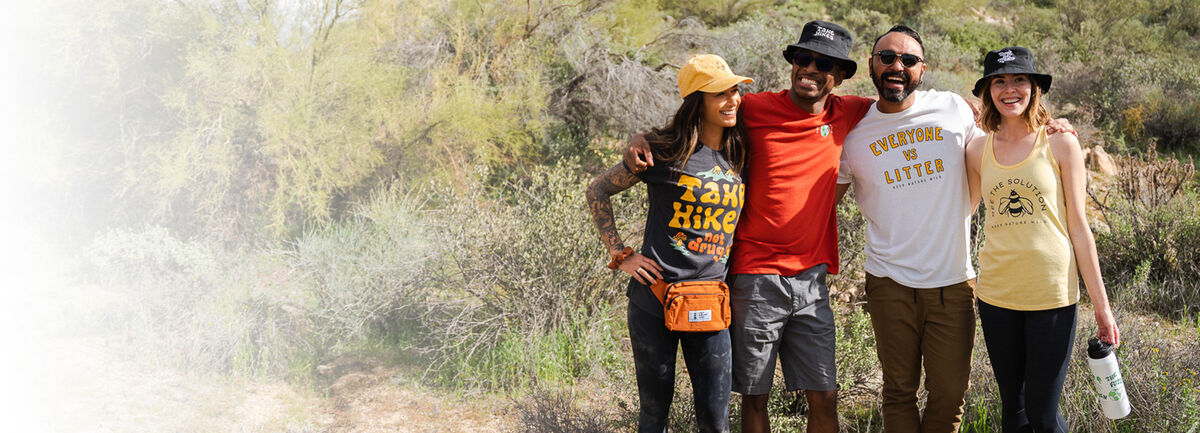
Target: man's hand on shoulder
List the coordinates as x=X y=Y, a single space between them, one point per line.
x=1060 y=125
x=637 y=155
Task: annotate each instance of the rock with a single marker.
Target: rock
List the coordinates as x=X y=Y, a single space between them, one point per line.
x=351 y=382
x=1099 y=160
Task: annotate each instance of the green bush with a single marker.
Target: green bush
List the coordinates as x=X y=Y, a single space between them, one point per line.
x=469 y=280
x=1148 y=250
x=196 y=306
x=715 y=13
x=1159 y=365
x=361 y=274
x=520 y=267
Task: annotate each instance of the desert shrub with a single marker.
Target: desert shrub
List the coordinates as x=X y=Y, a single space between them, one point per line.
x=491 y=288
x=612 y=92
x=551 y=411
x=968 y=41
x=196 y=306
x=360 y=274
x=856 y=358
x=715 y=13
x=1145 y=100
x=1148 y=251
x=1159 y=366
x=1147 y=97
x=520 y=265
x=754 y=48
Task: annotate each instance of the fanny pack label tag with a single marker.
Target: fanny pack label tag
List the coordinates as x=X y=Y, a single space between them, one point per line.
x=699 y=315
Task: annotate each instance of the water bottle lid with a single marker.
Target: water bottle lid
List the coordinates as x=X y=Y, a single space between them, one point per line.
x=1098 y=349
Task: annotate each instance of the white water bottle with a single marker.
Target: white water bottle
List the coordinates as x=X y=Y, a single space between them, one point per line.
x=1107 y=377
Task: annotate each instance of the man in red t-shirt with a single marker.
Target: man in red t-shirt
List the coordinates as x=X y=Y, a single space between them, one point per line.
x=786 y=239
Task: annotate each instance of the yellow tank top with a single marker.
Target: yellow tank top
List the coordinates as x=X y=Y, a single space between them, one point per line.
x=1026 y=262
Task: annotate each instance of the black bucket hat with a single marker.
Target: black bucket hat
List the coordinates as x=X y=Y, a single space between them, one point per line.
x=827 y=39
x=1011 y=60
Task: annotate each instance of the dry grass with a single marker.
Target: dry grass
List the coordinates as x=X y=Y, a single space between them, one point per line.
x=76 y=377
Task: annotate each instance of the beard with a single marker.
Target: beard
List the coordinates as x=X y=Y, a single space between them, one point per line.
x=895 y=95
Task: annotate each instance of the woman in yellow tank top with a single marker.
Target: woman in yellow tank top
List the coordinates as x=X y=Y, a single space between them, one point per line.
x=1036 y=242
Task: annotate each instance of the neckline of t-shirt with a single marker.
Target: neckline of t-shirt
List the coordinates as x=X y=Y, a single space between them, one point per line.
x=787 y=101
x=716 y=155
x=918 y=96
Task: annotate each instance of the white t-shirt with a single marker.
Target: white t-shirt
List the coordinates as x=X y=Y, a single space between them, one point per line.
x=909 y=175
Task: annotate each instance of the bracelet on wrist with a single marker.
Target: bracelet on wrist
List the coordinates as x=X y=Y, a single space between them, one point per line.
x=620 y=257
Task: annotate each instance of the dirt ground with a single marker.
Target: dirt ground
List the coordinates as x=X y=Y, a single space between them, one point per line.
x=61 y=376
x=79 y=385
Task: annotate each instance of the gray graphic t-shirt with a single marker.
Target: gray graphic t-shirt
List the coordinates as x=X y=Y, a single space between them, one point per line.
x=690 y=224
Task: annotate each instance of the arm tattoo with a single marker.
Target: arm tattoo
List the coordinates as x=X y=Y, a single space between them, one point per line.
x=613 y=181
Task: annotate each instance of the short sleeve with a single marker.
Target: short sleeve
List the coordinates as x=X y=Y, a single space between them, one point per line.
x=857 y=106
x=970 y=129
x=845 y=174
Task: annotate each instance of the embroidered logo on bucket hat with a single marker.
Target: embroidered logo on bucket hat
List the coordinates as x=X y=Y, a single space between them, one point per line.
x=1011 y=60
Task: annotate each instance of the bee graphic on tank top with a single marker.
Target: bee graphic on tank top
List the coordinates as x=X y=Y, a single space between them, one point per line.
x=1014 y=205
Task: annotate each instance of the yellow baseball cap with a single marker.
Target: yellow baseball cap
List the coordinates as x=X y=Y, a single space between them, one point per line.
x=707 y=73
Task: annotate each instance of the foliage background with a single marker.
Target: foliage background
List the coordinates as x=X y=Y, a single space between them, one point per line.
x=272 y=186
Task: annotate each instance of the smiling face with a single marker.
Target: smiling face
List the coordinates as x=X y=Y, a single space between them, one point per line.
x=1010 y=94
x=896 y=82
x=810 y=85
x=720 y=109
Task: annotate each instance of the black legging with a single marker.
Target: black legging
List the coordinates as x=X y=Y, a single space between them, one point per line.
x=708 y=361
x=1030 y=352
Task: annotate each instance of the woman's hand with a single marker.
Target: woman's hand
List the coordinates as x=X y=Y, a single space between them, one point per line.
x=645 y=270
x=1106 y=327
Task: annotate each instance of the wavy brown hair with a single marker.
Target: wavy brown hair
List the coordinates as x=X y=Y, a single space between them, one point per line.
x=1036 y=114
x=678 y=140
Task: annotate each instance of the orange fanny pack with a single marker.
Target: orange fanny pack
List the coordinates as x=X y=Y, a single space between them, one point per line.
x=694 y=306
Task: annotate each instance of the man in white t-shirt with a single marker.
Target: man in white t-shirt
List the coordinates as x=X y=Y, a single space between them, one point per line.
x=906 y=162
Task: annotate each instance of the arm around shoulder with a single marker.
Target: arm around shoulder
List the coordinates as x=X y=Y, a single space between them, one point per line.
x=974 y=155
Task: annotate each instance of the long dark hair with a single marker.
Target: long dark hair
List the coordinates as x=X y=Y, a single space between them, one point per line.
x=678 y=140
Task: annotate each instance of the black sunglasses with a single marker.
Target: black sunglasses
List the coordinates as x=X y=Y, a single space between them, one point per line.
x=888 y=57
x=824 y=64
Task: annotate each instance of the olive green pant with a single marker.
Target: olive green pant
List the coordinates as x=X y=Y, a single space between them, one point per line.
x=934 y=327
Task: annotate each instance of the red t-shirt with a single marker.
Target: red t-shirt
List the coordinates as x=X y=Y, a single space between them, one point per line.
x=789 y=223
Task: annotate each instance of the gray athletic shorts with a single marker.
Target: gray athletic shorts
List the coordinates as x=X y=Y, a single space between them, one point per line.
x=773 y=314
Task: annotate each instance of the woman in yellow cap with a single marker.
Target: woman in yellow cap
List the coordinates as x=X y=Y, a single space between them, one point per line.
x=1036 y=238
x=676 y=292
